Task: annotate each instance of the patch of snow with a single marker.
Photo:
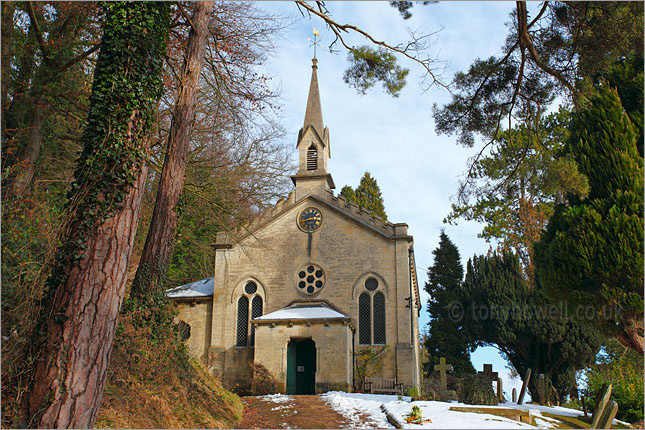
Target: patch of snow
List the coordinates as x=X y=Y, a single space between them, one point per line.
x=558 y=410
x=201 y=288
x=546 y=422
x=302 y=313
x=442 y=417
x=277 y=408
x=354 y=405
x=277 y=398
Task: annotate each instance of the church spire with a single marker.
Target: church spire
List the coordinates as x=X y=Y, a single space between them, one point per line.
x=313 y=146
x=313 y=114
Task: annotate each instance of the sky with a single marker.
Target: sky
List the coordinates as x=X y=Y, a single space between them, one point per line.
x=394 y=138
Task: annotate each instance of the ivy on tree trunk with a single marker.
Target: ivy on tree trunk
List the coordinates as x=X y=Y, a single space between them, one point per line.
x=160 y=238
x=83 y=294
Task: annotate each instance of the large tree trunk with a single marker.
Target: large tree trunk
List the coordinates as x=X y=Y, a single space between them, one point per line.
x=30 y=154
x=631 y=334
x=80 y=305
x=158 y=247
x=69 y=381
x=6 y=49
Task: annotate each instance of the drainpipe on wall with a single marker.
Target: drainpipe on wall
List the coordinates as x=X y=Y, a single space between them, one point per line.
x=354 y=357
x=410 y=256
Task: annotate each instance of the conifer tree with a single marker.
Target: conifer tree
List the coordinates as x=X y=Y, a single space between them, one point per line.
x=445 y=338
x=592 y=250
x=500 y=309
x=80 y=305
x=348 y=193
x=368 y=196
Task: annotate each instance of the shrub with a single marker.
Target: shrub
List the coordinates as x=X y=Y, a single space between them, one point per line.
x=262 y=382
x=412 y=392
x=624 y=370
x=476 y=390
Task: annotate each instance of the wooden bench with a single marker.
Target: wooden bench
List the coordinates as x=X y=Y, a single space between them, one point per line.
x=382 y=386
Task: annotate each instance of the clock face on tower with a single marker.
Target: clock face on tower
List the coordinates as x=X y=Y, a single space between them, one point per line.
x=309 y=220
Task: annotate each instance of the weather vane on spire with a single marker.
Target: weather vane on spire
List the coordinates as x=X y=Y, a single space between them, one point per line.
x=315 y=42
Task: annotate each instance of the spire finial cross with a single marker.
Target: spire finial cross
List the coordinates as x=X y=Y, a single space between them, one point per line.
x=315 y=42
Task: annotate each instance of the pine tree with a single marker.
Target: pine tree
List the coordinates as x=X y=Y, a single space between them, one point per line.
x=445 y=338
x=592 y=250
x=80 y=305
x=368 y=196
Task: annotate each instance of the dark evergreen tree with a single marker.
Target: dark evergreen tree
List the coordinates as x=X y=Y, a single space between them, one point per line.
x=592 y=251
x=368 y=196
x=500 y=309
x=445 y=338
x=348 y=193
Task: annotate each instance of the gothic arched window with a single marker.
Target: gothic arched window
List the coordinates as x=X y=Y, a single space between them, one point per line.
x=312 y=157
x=256 y=311
x=249 y=306
x=364 y=320
x=379 y=318
x=242 y=321
x=371 y=314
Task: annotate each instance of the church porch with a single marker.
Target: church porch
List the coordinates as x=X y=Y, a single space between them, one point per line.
x=307 y=348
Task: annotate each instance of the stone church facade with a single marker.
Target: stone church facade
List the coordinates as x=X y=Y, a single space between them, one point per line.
x=306 y=286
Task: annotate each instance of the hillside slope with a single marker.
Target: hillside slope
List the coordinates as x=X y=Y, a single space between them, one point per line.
x=153 y=383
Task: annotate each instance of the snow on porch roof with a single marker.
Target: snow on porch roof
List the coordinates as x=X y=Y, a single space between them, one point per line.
x=303 y=312
x=201 y=288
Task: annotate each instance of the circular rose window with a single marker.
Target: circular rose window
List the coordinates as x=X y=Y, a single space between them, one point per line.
x=310 y=279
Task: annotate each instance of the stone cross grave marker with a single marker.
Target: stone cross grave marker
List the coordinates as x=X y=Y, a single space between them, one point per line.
x=490 y=375
x=442 y=367
x=608 y=415
x=514 y=395
x=488 y=372
x=525 y=383
x=601 y=404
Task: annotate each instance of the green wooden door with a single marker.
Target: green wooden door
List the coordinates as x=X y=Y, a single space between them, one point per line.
x=306 y=367
x=301 y=366
x=291 y=367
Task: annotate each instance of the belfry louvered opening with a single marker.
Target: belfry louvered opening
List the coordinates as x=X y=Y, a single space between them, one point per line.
x=312 y=157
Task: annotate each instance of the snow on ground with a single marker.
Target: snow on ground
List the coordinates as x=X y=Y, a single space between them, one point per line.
x=558 y=410
x=354 y=405
x=442 y=417
x=277 y=398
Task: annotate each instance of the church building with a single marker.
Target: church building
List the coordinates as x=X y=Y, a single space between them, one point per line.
x=306 y=286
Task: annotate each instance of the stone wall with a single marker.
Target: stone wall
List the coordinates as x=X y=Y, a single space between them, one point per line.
x=198 y=315
x=349 y=247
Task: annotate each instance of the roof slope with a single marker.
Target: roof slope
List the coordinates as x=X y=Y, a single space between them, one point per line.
x=201 y=288
x=304 y=311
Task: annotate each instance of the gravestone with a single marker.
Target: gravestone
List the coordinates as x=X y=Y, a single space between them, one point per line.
x=601 y=404
x=500 y=391
x=442 y=367
x=445 y=394
x=608 y=415
x=488 y=372
x=514 y=395
x=525 y=383
x=492 y=376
